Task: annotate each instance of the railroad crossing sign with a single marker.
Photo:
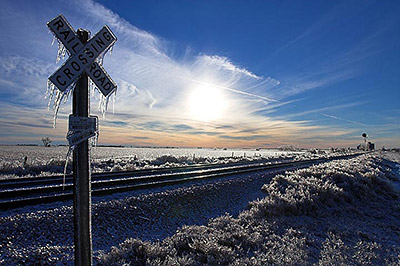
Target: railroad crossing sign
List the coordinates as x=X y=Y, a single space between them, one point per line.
x=83 y=56
x=78 y=68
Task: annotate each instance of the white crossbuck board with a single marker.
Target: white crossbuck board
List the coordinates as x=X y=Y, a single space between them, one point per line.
x=83 y=56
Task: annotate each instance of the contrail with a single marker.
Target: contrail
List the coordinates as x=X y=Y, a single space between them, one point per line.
x=236 y=91
x=350 y=121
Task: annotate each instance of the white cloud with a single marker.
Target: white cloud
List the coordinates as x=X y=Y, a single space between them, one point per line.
x=153 y=86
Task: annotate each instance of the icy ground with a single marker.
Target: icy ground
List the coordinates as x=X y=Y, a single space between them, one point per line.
x=341 y=212
x=18 y=161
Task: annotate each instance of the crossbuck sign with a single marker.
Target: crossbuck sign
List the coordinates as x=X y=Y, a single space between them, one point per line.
x=82 y=126
x=83 y=56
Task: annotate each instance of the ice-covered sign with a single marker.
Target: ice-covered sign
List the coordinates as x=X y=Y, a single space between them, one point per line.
x=81 y=128
x=83 y=56
x=80 y=136
x=79 y=123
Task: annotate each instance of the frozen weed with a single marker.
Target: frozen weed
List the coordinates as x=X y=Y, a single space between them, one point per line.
x=263 y=235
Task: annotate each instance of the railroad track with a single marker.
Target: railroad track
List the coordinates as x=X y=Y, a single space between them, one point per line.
x=32 y=191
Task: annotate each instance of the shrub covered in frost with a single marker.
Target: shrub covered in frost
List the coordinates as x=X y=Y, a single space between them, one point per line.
x=328 y=185
x=341 y=212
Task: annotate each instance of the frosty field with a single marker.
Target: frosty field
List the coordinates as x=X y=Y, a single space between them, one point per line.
x=341 y=212
x=51 y=160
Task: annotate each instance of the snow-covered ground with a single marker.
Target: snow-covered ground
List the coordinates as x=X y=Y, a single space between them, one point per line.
x=28 y=161
x=340 y=212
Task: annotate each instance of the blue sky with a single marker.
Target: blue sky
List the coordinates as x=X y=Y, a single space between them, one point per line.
x=215 y=73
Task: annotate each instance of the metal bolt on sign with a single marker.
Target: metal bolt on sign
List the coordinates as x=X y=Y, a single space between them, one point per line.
x=77 y=68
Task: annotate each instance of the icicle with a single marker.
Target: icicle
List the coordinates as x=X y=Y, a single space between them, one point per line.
x=56 y=106
x=54 y=39
x=68 y=94
x=100 y=59
x=111 y=50
x=61 y=52
x=103 y=104
x=66 y=164
x=104 y=101
x=48 y=88
x=114 y=98
x=58 y=99
x=94 y=140
x=91 y=87
x=50 y=93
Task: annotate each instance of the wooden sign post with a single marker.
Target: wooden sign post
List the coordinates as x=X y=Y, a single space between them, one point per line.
x=78 y=68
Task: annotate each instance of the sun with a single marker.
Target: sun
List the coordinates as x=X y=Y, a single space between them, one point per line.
x=207 y=103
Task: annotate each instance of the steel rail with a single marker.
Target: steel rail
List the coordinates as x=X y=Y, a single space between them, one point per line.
x=109 y=183
x=57 y=179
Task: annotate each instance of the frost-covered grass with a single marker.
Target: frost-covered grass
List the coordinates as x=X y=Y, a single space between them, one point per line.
x=341 y=212
x=27 y=161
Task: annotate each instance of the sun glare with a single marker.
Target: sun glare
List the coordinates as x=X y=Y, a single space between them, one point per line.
x=207 y=103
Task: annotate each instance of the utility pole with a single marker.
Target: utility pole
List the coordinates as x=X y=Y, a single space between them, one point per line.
x=82 y=178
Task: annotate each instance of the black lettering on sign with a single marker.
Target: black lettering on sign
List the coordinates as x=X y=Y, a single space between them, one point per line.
x=102 y=80
x=100 y=42
x=83 y=59
x=74 y=46
x=89 y=53
x=59 y=82
x=94 y=47
x=106 y=36
x=59 y=24
x=67 y=72
x=107 y=86
x=93 y=66
x=75 y=66
x=70 y=40
x=65 y=34
x=97 y=73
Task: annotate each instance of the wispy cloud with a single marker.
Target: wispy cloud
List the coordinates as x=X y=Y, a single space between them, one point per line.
x=151 y=106
x=324 y=109
x=224 y=63
x=264 y=99
x=346 y=120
